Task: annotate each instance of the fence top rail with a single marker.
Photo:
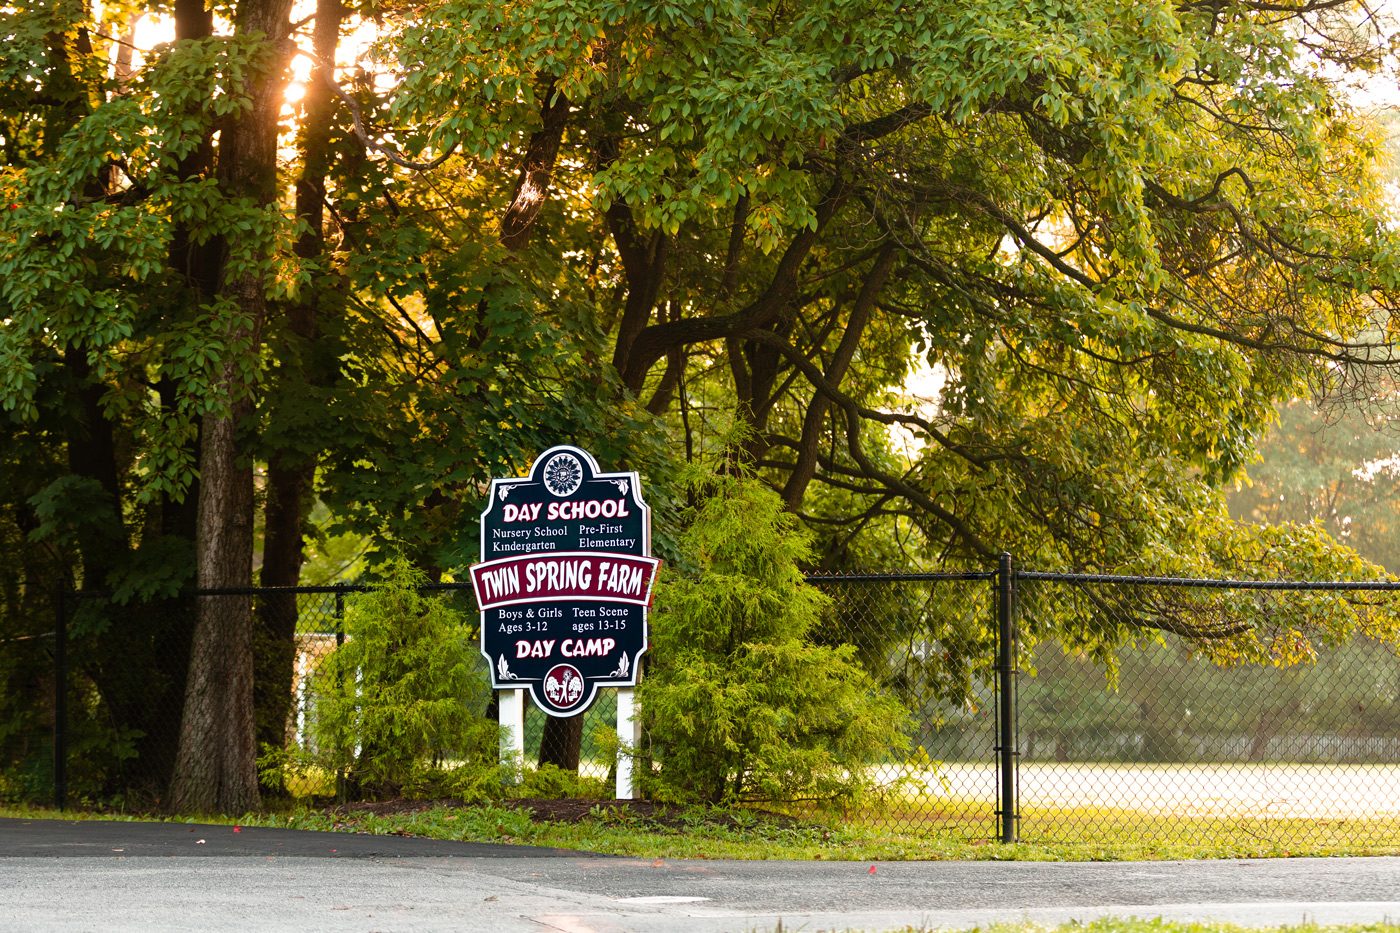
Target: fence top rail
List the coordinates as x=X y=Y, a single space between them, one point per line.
x=1205 y=583
x=1109 y=578
x=466 y=585
x=899 y=577
x=264 y=590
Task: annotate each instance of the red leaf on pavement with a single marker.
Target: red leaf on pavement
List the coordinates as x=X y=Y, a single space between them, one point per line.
x=871 y=871
x=238 y=829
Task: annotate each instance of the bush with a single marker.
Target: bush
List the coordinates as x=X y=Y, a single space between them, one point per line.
x=394 y=712
x=737 y=704
x=551 y=782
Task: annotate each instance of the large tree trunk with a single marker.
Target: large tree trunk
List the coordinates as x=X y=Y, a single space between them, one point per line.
x=291 y=472
x=216 y=769
x=288 y=486
x=561 y=743
x=196 y=261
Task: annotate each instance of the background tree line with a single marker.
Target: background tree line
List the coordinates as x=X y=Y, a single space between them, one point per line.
x=1119 y=234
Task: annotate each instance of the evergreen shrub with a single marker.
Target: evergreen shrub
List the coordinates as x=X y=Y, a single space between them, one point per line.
x=396 y=703
x=737 y=704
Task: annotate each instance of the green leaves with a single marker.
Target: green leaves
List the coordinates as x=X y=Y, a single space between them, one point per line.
x=1327 y=470
x=400 y=695
x=738 y=704
x=1117 y=235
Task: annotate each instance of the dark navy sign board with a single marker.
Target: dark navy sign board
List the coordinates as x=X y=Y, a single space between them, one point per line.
x=564 y=580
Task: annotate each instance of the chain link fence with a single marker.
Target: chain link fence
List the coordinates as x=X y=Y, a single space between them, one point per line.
x=1149 y=711
x=1233 y=712
x=1139 y=710
x=931 y=640
x=320 y=628
x=102 y=717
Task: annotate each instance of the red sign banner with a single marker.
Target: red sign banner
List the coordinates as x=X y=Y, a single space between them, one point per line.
x=560 y=575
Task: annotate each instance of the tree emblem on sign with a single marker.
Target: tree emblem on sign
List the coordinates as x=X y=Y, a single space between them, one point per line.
x=563 y=474
x=563 y=685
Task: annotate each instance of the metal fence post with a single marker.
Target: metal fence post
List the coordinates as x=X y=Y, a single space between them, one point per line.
x=339 y=616
x=340 y=777
x=1007 y=810
x=60 y=700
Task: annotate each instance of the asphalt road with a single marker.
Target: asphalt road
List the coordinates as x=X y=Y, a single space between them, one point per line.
x=84 y=876
x=120 y=839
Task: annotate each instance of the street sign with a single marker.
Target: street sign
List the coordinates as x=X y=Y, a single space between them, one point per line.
x=564 y=581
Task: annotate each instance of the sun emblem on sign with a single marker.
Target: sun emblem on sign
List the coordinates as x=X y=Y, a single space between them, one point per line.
x=563 y=474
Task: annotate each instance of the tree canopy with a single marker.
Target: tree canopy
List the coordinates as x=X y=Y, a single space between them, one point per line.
x=1336 y=468
x=1119 y=234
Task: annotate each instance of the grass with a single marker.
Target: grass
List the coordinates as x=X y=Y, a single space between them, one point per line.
x=1117 y=826
x=746 y=835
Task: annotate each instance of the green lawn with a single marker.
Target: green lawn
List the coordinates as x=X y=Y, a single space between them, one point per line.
x=744 y=835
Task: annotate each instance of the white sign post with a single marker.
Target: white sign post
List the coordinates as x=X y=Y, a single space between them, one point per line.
x=511 y=713
x=629 y=732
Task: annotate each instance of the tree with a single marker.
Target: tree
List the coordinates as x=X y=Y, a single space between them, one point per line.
x=396 y=712
x=1333 y=468
x=1121 y=235
x=216 y=769
x=290 y=439
x=738 y=703
x=178 y=326
x=136 y=273
x=1095 y=222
